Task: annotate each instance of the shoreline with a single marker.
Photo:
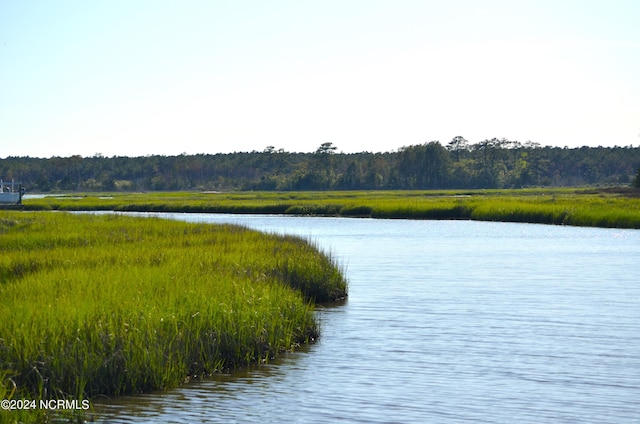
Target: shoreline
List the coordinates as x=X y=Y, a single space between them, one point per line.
x=606 y=208
x=112 y=305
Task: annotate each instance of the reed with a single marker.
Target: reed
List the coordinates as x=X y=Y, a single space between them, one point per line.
x=111 y=304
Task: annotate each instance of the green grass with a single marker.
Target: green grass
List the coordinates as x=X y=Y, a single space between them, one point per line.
x=113 y=305
x=598 y=208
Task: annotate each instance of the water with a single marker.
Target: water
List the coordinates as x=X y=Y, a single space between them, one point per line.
x=446 y=322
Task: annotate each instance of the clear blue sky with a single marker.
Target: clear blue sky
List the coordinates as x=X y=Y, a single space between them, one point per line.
x=139 y=77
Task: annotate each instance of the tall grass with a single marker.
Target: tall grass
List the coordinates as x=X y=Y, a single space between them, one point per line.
x=545 y=206
x=113 y=305
x=586 y=210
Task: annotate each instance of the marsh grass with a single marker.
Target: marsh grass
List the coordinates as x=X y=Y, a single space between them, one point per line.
x=583 y=210
x=601 y=208
x=109 y=304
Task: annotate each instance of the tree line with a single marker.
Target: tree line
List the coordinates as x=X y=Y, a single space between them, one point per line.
x=491 y=163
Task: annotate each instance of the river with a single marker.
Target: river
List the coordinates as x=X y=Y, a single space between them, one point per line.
x=446 y=322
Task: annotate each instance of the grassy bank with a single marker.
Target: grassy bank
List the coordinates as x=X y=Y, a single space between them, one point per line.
x=114 y=305
x=597 y=208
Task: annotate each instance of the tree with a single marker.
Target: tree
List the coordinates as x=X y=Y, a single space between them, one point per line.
x=326 y=149
x=424 y=166
x=323 y=175
x=490 y=163
x=456 y=145
x=489 y=155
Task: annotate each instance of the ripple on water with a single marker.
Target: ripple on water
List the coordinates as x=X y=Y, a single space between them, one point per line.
x=446 y=322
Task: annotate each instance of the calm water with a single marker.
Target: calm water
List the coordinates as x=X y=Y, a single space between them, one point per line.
x=447 y=321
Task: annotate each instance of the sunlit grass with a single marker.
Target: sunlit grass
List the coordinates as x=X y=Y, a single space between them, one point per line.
x=544 y=206
x=111 y=304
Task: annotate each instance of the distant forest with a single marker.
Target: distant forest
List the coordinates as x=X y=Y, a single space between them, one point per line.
x=495 y=163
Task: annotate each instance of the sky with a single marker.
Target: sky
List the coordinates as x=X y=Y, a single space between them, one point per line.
x=138 y=77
